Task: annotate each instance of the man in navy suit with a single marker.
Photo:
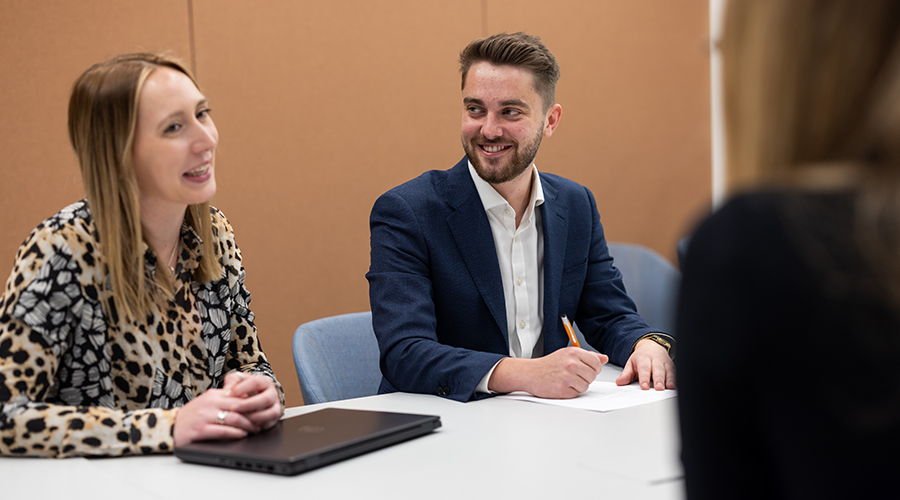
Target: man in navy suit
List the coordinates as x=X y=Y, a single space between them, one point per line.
x=473 y=267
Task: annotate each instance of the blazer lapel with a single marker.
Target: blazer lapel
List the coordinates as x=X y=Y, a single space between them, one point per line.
x=470 y=228
x=556 y=229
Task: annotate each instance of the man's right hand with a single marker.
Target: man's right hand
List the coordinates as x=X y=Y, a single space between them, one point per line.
x=562 y=374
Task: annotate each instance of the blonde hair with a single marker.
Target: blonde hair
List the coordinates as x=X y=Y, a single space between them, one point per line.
x=811 y=82
x=103 y=111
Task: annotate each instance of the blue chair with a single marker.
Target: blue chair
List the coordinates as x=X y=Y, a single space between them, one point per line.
x=651 y=281
x=337 y=358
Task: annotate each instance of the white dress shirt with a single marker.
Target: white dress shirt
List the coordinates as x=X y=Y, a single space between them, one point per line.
x=520 y=253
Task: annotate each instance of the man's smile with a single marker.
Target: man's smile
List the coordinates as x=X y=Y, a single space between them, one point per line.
x=494 y=148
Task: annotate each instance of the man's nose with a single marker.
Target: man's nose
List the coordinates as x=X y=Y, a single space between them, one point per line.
x=491 y=128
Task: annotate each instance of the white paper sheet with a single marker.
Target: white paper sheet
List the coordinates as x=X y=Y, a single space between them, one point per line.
x=602 y=396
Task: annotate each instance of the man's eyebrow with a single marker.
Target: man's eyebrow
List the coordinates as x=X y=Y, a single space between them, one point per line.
x=514 y=102
x=509 y=102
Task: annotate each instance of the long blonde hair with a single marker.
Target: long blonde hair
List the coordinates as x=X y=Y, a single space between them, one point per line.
x=103 y=111
x=811 y=82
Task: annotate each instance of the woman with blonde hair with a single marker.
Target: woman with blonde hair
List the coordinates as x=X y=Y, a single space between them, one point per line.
x=124 y=326
x=789 y=317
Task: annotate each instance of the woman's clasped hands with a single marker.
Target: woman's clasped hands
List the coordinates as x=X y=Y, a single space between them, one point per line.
x=244 y=405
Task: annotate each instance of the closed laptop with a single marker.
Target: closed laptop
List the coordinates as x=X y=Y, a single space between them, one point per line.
x=305 y=442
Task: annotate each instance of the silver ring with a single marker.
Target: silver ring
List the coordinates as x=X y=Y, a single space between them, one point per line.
x=241 y=375
x=220 y=417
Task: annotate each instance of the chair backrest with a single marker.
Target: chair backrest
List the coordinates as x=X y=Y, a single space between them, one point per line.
x=337 y=358
x=651 y=282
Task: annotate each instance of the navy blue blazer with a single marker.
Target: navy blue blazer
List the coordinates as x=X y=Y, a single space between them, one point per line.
x=435 y=290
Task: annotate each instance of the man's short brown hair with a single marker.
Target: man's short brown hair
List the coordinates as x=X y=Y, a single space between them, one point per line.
x=516 y=49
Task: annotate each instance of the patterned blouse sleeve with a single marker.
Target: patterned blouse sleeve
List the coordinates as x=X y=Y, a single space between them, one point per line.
x=46 y=313
x=244 y=352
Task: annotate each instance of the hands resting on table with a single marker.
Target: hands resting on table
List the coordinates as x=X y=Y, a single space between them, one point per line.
x=568 y=372
x=245 y=404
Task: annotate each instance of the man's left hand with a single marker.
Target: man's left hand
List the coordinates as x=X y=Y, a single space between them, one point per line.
x=650 y=362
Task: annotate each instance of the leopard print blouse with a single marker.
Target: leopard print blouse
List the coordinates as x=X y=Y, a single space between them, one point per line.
x=75 y=379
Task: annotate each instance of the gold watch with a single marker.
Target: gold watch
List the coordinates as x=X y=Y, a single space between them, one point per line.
x=663 y=340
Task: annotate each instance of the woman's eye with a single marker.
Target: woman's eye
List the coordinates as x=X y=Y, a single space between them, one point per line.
x=203 y=113
x=175 y=127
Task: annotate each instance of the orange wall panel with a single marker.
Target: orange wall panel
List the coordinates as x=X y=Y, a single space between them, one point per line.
x=44 y=47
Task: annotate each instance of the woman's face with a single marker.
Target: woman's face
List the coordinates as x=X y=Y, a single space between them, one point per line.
x=174 y=144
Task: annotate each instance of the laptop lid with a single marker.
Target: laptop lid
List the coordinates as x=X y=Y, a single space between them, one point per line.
x=305 y=442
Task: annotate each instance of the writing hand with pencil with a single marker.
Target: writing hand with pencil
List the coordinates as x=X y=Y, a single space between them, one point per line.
x=563 y=374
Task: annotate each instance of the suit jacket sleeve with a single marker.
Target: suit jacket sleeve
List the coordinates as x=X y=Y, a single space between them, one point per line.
x=404 y=315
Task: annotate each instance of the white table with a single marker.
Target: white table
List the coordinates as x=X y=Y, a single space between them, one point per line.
x=486 y=449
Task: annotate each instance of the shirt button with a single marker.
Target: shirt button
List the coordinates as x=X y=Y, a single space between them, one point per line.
x=516 y=238
x=507 y=212
x=521 y=324
x=519 y=281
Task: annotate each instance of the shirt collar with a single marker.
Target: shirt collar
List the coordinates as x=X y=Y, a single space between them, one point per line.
x=490 y=198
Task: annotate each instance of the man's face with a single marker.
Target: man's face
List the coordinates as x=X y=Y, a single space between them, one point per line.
x=503 y=121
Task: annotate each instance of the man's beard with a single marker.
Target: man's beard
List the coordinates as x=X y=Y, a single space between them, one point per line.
x=521 y=159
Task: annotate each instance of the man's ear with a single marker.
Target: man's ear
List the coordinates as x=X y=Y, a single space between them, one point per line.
x=553 y=116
